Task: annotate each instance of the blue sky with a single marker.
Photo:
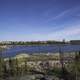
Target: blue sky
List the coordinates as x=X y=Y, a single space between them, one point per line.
x=30 y=20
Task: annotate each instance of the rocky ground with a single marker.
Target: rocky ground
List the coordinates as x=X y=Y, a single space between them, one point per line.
x=32 y=77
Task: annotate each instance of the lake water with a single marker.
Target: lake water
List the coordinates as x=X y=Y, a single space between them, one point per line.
x=39 y=49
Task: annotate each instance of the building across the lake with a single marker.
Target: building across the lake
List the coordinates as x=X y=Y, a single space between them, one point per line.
x=75 y=41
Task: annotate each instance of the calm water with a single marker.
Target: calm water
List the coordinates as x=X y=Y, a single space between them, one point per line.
x=39 y=49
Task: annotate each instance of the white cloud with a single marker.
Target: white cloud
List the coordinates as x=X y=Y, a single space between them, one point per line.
x=67 y=12
x=65 y=33
x=60 y=15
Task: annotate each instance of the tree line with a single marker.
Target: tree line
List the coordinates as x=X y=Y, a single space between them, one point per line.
x=33 y=42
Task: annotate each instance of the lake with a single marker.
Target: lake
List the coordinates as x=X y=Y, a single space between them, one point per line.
x=14 y=50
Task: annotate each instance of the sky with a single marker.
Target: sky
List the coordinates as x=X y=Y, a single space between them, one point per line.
x=30 y=20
